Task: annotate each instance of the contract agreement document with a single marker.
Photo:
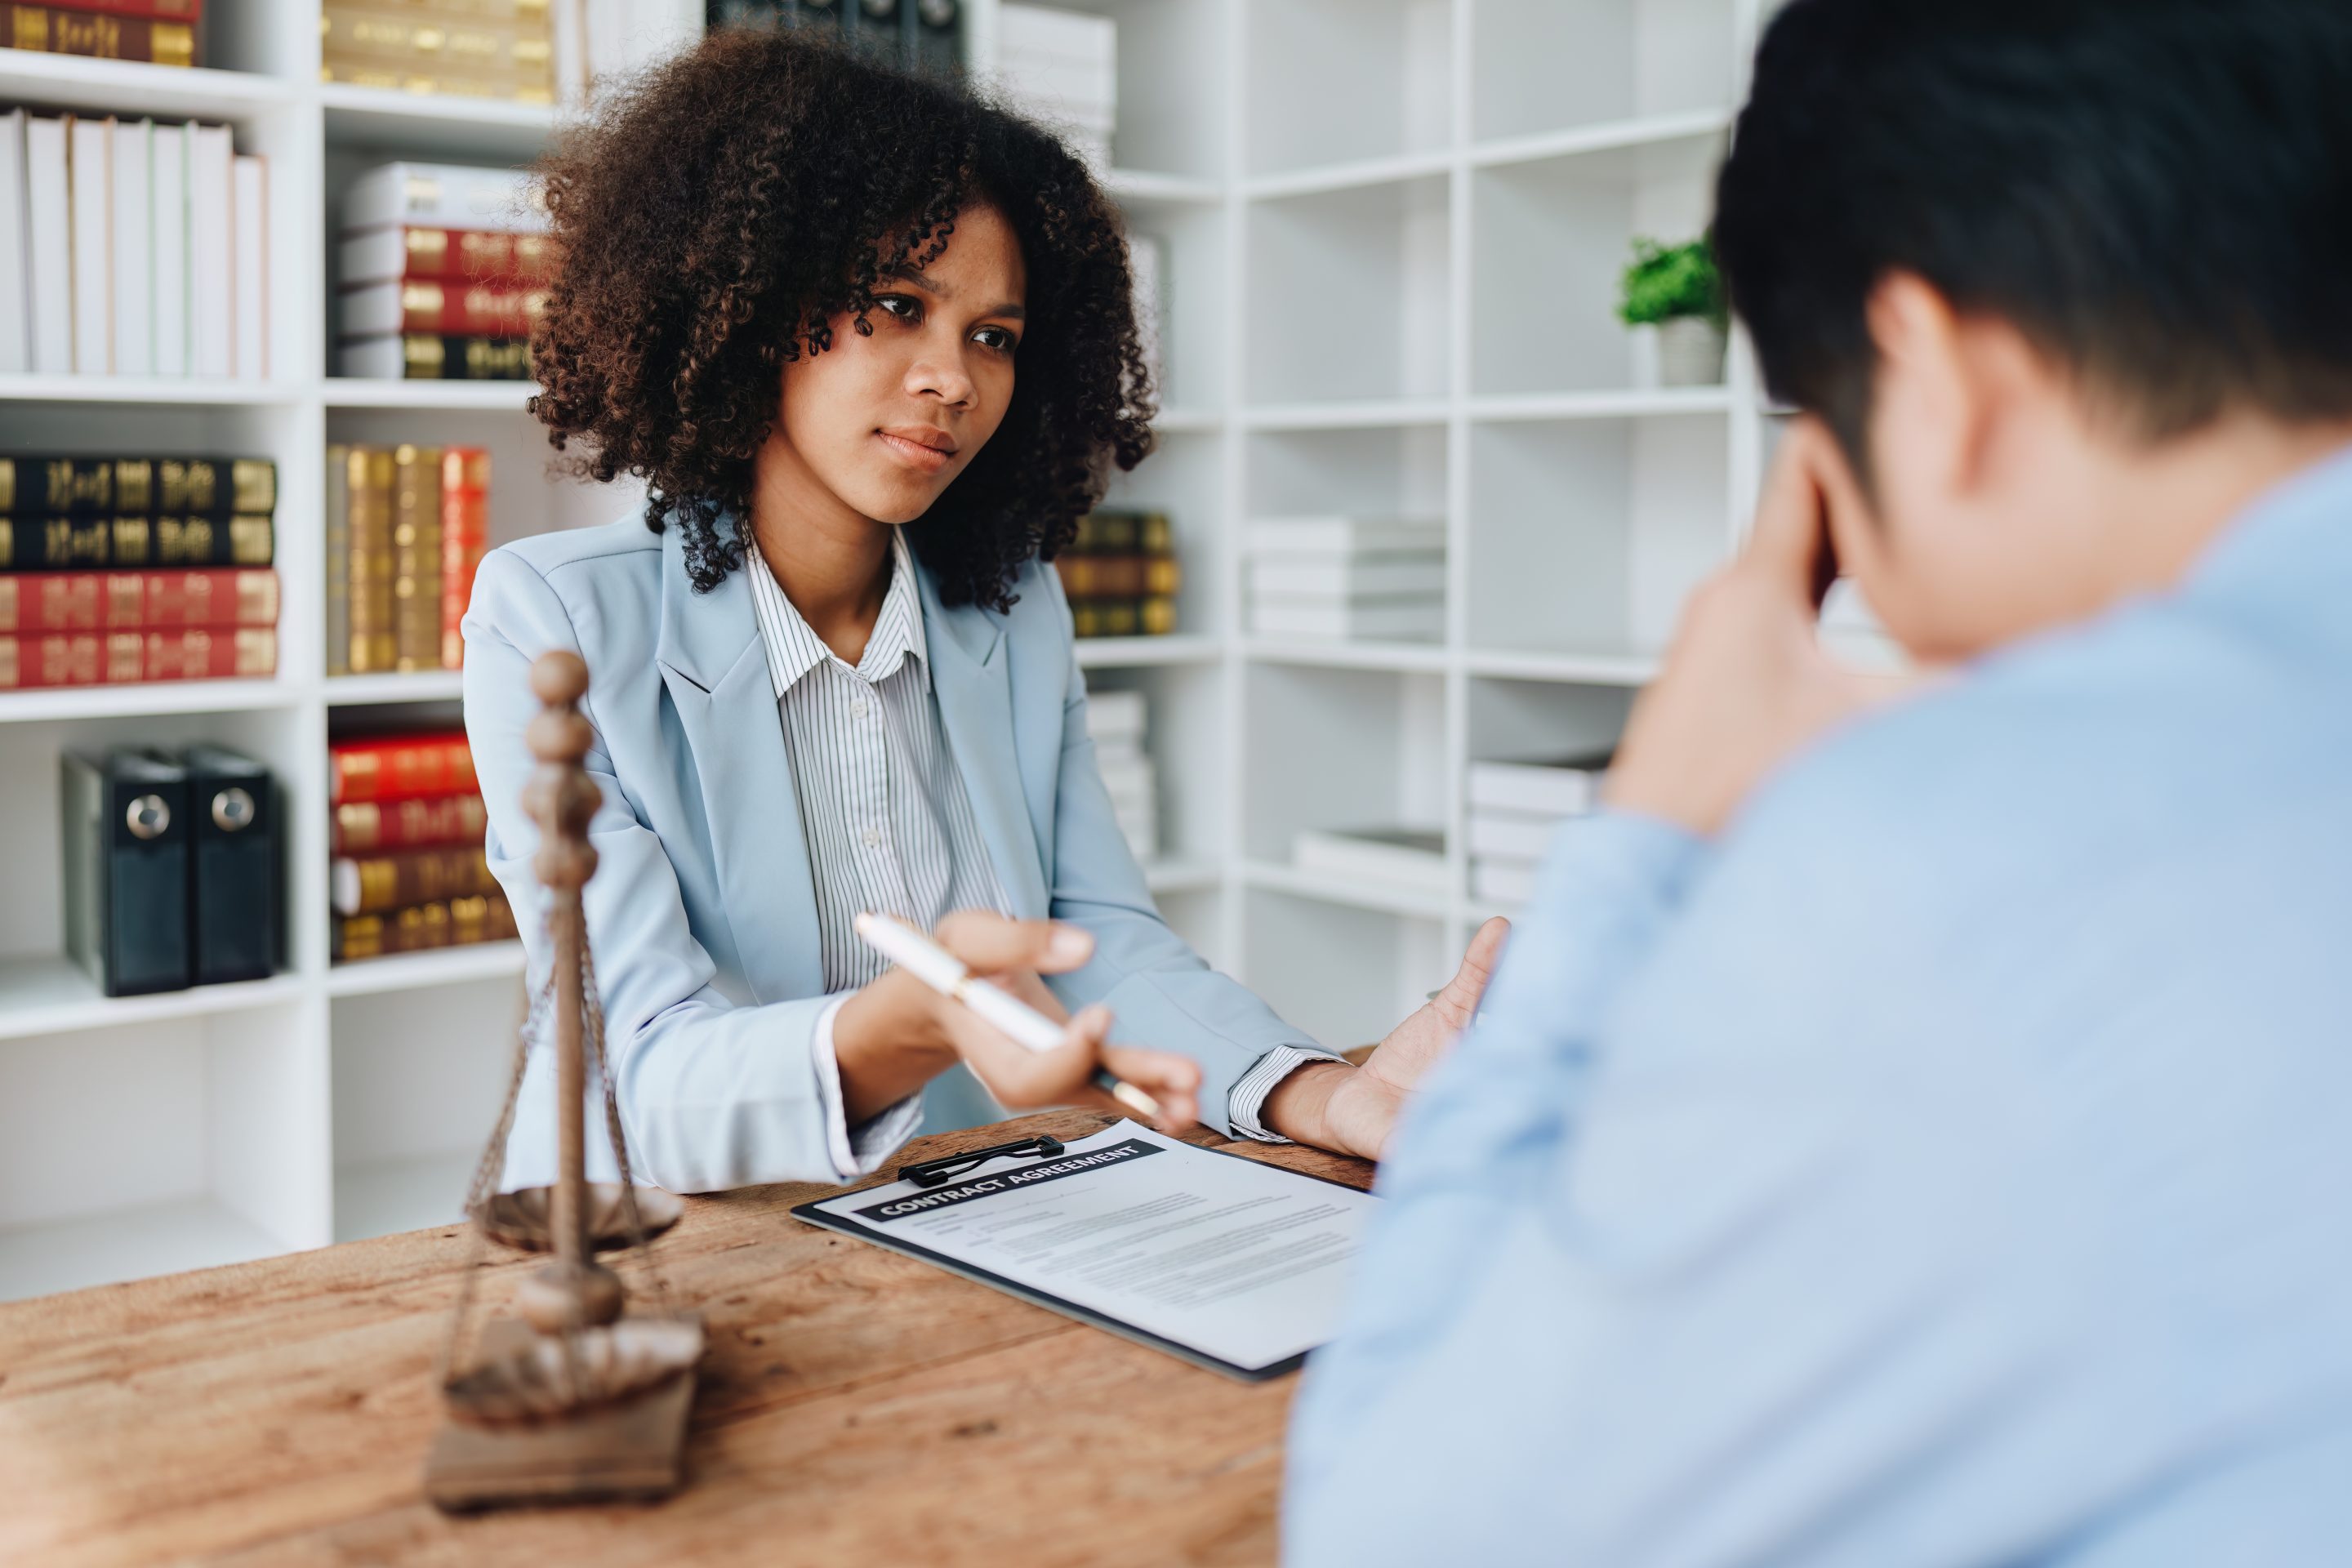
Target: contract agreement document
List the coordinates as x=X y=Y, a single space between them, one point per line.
x=1237 y=1266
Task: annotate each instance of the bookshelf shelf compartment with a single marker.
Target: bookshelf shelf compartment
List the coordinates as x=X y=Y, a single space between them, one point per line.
x=1371 y=413
x=1586 y=535
x=1348 y=295
x=422 y=971
x=147 y=392
x=69 y=702
x=1332 y=748
x=1573 y=219
x=1401 y=657
x=49 y=995
x=1137 y=653
x=1540 y=65
x=1382 y=72
x=1344 y=973
x=127 y=1243
x=47 y=81
x=438 y=396
x=418 y=686
x=469 y=130
x=1348 y=890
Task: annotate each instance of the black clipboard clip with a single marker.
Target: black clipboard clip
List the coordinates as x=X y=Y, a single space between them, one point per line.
x=931 y=1173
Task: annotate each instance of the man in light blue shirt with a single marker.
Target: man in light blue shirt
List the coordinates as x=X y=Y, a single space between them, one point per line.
x=1916 y=1129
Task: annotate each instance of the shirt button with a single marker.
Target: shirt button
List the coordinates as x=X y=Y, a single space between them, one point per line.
x=873 y=840
x=857 y=708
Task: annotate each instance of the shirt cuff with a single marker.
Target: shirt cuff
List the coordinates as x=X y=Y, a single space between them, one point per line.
x=855 y=1151
x=1250 y=1090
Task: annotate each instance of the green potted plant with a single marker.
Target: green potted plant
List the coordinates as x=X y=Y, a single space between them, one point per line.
x=1676 y=289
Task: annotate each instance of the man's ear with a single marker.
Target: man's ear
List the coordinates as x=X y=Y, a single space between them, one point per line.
x=1928 y=419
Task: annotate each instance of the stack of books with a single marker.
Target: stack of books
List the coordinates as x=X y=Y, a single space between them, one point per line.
x=129 y=247
x=1061 y=68
x=155 y=32
x=405 y=528
x=120 y=570
x=464 y=48
x=1407 y=858
x=1118 y=722
x=444 y=272
x=920 y=35
x=408 y=870
x=1339 y=577
x=1516 y=810
x=1121 y=575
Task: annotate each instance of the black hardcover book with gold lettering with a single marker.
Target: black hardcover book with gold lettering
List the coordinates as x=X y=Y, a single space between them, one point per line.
x=77 y=543
x=140 y=487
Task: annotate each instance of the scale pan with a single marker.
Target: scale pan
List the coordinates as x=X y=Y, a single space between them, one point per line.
x=519 y=1219
x=550 y=1377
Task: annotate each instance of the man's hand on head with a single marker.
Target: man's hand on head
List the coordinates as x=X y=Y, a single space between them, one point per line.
x=1746 y=682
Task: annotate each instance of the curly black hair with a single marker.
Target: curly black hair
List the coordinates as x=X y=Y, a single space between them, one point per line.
x=717 y=215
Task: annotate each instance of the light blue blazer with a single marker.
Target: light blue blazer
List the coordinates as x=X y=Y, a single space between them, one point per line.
x=702 y=914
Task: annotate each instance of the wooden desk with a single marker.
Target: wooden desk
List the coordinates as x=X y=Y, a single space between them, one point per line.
x=856 y=1409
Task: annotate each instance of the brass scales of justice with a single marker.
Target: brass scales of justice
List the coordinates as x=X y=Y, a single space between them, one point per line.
x=578 y=1398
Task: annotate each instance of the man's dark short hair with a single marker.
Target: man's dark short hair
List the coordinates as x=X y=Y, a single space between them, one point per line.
x=2157 y=193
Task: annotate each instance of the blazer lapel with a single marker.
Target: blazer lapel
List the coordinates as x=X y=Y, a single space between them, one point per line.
x=717 y=672
x=971 y=674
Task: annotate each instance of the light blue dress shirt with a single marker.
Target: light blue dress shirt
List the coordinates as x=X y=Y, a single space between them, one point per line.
x=1953 y=1165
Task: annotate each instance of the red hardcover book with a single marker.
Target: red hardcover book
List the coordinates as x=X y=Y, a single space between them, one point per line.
x=447 y=256
x=209 y=599
x=161 y=10
x=399 y=767
x=122 y=658
x=459 y=309
x=465 y=534
x=375 y=827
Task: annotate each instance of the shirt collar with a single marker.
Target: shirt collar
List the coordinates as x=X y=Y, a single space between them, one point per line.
x=794 y=649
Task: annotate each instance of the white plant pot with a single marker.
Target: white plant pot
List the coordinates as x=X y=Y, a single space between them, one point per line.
x=1690 y=352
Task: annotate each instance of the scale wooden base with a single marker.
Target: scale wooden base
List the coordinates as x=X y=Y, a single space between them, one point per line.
x=632 y=1451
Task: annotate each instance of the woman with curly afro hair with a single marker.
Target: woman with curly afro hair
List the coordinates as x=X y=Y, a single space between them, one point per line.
x=867 y=339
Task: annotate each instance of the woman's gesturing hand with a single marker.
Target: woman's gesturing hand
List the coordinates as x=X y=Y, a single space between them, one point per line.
x=897 y=1033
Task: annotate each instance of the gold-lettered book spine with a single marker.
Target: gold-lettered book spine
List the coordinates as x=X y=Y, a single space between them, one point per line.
x=374 y=644
x=56 y=30
x=416 y=557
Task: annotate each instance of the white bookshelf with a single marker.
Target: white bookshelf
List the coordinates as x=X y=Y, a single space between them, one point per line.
x=1393 y=230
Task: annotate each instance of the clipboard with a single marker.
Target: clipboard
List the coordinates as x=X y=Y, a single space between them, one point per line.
x=1014 y=1185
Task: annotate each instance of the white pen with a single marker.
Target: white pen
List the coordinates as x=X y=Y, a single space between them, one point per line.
x=944 y=973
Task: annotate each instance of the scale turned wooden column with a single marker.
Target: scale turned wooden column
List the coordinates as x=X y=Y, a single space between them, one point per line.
x=576 y=1400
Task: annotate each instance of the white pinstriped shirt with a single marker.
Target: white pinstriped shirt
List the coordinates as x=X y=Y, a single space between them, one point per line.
x=888 y=823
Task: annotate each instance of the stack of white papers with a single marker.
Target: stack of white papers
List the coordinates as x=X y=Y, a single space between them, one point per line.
x=1061 y=68
x=1117 y=723
x=1516 y=810
x=1338 y=577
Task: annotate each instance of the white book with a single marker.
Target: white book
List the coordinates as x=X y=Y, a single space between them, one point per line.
x=1507 y=882
x=444 y=195
x=1525 y=836
x=568 y=28
x=211 y=299
x=90 y=159
x=167 y=231
x=48 y=220
x=1340 y=534
x=1419 y=619
x=384 y=359
x=1568 y=787
x=134 y=251
x=1128 y=782
x=249 y=267
x=1403 y=857
x=1142 y=831
x=1113 y=715
x=15 y=321
x=1406 y=573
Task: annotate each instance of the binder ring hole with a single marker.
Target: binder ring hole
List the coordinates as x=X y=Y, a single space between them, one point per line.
x=148 y=817
x=232 y=809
